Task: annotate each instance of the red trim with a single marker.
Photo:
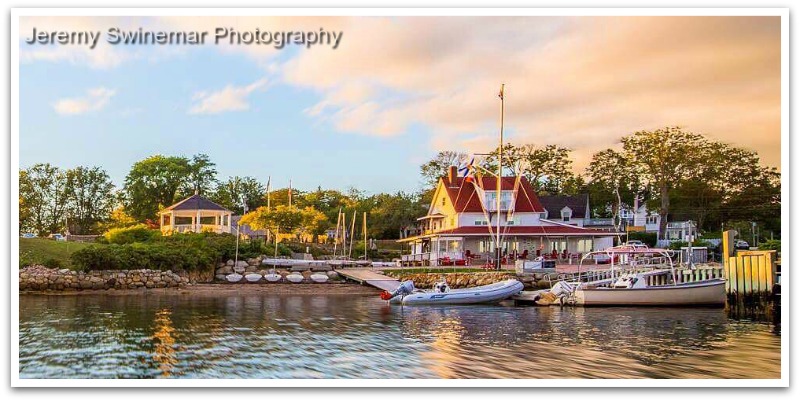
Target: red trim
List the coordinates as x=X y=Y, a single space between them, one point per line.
x=463 y=197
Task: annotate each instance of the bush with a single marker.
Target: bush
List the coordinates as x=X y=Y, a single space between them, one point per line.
x=53 y=263
x=770 y=245
x=143 y=256
x=129 y=235
x=648 y=239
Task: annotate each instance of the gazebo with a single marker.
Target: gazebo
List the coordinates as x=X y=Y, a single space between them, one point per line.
x=195 y=214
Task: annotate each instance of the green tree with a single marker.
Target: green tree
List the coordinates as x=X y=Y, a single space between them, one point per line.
x=614 y=181
x=276 y=219
x=432 y=170
x=229 y=193
x=43 y=192
x=664 y=157
x=393 y=212
x=202 y=176
x=154 y=183
x=90 y=198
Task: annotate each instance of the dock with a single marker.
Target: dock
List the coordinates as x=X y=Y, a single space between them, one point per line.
x=369 y=277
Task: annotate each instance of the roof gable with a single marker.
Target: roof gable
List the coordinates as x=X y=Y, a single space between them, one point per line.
x=465 y=199
x=555 y=203
x=196 y=202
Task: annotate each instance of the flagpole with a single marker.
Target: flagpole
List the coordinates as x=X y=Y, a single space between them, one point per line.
x=290 y=192
x=498 y=254
x=365 y=235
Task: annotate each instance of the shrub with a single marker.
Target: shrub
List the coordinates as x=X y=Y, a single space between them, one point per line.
x=129 y=235
x=649 y=239
x=144 y=256
x=53 y=263
x=770 y=245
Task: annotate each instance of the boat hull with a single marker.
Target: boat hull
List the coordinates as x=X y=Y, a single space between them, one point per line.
x=466 y=296
x=319 y=278
x=708 y=293
x=253 y=277
x=295 y=278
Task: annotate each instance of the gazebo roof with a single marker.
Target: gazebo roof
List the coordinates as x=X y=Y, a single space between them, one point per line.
x=195 y=202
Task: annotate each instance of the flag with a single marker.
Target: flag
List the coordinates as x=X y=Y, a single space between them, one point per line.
x=502 y=89
x=466 y=170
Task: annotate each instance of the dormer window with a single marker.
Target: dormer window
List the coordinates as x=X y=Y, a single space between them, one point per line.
x=566 y=214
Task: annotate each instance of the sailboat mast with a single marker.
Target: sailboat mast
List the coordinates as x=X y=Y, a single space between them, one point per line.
x=352 y=234
x=365 y=235
x=498 y=264
x=336 y=233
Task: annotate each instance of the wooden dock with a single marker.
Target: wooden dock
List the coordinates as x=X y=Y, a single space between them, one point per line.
x=369 y=277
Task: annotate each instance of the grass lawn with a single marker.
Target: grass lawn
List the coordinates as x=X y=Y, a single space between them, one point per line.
x=48 y=252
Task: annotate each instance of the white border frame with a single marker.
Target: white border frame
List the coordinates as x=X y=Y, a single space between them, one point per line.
x=16 y=13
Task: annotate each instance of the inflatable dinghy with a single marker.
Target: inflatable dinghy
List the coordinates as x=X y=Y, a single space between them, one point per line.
x=406 y=294
x=273 y=277
x=253 y=277
x=295 y=278
x=319 y=278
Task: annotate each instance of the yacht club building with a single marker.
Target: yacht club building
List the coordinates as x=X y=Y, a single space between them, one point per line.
x=461 y=223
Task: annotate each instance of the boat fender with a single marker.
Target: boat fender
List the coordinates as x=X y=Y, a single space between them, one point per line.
x=386 y=295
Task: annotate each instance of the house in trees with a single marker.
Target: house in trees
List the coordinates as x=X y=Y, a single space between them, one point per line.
x=461 y=222
x=195 y=214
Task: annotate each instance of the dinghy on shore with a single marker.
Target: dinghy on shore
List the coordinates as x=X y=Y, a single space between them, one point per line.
x=295 y=278
x=234 y=277
x=273 y=277
x=253 y=277
x=406 y=294
x=319 y=278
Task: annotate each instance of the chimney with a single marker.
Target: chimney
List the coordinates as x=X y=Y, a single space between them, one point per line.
x=452 y=173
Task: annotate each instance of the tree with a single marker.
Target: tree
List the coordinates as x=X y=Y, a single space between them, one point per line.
x=89 y=196
x=42 y=190
x=280 y=218
x=202 y=176
x=664 y=157
x=613 y=179
x=437 y=167
x=229 y=193
x=154 y=183
x=392 y=213
x=313 y=222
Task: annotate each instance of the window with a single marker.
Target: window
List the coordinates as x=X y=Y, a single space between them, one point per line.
x=653 y=219
x=481 y=223
x=510 y=222
x=442 y=200
x=584 y=245
x=490 y=200
x=566 y=214
x=452 y=222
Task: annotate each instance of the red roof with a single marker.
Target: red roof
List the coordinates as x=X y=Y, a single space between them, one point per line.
x=463 y=196
x=524 y=230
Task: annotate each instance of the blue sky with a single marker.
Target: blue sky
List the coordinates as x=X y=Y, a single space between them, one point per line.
x=394 y=92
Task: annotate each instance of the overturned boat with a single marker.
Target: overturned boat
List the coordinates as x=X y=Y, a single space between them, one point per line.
x=406 y=294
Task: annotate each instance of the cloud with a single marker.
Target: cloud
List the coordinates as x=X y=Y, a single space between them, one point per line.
x=96 y=99
x=581 y=82
x=230 y=98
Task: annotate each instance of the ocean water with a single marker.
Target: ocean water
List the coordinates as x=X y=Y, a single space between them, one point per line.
x=172 y=335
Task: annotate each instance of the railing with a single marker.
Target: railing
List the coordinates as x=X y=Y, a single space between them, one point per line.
x=184 y=228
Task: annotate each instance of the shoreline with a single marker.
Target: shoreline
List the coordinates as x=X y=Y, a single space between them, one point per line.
x=226 y=289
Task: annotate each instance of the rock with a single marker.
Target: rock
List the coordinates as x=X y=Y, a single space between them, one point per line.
x=254 y=262
x=220 y=277
x=229 y=262
x=65 y=271
x=250 y=269
x=239 y=269
x=333 y=275
x=241 y=263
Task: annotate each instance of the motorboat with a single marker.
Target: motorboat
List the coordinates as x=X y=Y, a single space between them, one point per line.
x=253 y=277
x=234 y=277
x=645 y=277
x=442 y=294
x=295 y=278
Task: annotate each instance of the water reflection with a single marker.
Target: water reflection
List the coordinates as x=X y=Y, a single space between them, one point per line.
x=321 y=336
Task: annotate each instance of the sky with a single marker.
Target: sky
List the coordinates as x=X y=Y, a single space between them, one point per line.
x=394 y=92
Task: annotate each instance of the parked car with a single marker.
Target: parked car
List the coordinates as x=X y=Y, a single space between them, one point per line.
x=741 y=244
x=28 y=235
x=57 y=237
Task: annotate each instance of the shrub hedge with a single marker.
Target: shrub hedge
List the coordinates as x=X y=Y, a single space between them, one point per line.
x=190 y=252
x=129 y=235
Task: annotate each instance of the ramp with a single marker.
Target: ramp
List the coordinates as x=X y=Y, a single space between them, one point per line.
x=369 y=277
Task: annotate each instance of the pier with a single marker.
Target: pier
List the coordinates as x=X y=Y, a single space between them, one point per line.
x=369 y=277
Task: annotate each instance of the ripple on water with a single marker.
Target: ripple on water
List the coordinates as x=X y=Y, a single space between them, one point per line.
x=289 y=336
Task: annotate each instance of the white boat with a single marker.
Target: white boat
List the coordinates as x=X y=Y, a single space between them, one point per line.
x=295 y=278
x=406 y=294
x=319 y=278
x=273 y=277
x=234 y=277
x=648 y=278
x=253 y=277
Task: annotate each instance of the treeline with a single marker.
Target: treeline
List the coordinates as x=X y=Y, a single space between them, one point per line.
x=85 y=201
x=680 y=174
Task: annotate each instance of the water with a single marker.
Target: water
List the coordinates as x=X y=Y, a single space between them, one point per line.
x=328 y=336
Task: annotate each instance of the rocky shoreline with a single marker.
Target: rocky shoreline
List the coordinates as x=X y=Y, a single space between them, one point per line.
x=40 y=278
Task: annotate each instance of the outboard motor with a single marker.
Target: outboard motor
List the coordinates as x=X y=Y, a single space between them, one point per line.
x=405 y=288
